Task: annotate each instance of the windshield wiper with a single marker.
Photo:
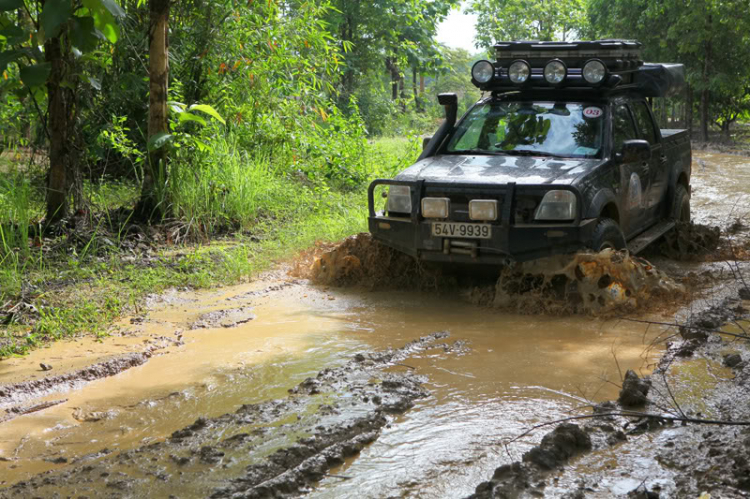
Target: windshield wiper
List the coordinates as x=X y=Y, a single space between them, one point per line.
x=523 y=152
x=479 y=151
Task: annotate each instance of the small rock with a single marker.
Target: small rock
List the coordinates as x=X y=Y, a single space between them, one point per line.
x=634 y=390
x=558 y=446
x=45 y=367
x=745 y=293
x=732 y=359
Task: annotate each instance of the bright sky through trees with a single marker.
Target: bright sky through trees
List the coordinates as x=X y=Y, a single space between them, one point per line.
x=458 y=30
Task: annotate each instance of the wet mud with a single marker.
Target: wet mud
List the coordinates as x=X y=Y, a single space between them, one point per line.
x=17 y=392
x=214 y=417
x=269 y=449
x=657 y=456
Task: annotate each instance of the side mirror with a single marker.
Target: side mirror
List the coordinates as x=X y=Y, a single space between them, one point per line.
x=425 y=140
x=634 y=151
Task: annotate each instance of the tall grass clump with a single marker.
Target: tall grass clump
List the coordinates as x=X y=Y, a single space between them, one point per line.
x=228 y=187
x=18 y=209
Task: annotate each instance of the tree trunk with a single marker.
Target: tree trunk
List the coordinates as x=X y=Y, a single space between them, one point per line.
x=155 y=172
x=689 y=109
x=402 y=91
x=417 y=100
x=59 y=127
x=421 y=85
x=393 y=70
x=705 y=92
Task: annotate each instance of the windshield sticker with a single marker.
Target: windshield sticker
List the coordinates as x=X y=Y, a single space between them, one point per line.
x=592 y=112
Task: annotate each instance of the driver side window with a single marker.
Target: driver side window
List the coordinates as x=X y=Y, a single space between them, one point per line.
x=623 y=126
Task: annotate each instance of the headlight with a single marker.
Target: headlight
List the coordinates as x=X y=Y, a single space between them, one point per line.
x=483 y=209
x=483 y=71
x=555 y=71
x=399 y=199
x=435 y=207
x=594 y=71
x=557 y=205
x=519 y=72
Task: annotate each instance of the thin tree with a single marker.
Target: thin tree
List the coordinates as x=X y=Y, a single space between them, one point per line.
x=151 y=203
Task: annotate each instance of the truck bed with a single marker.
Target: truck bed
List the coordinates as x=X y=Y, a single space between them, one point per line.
x=673 y=137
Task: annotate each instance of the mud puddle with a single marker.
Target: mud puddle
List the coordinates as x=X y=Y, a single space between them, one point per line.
x=496 y=375
x=720 y=189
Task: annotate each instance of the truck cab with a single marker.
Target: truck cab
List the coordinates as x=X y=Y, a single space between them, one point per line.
x=562 y=154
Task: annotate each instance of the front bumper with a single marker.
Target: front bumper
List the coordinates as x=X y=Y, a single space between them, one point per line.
x=509 y=241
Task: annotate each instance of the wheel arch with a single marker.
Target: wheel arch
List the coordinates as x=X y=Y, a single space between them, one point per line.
x=604 y=204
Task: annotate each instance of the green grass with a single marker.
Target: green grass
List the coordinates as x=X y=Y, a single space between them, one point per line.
x=265 y=215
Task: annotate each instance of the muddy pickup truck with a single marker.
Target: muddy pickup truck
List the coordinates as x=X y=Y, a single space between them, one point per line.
x=561 y=154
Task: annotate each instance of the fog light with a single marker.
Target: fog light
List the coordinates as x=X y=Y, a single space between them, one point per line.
x=435 y=207
x=483 y=71
x=557 y=205
x=519 y=72
x=483 y=209
x=399 y=199
x=555 y=71
x=594 y=71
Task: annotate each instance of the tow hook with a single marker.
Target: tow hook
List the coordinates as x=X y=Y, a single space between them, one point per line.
x=459 y=247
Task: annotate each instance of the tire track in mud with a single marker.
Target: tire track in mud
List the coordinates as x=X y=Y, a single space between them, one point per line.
x=270 y=449
x=25 y=390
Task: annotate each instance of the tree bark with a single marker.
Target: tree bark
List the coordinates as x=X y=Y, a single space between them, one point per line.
x=689 y=109
x=393 y=70
x=59 y=126
x=155 y=172
x=705 y=91
x=417 y=99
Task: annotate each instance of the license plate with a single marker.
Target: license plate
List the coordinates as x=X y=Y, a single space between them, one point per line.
x=456 y=229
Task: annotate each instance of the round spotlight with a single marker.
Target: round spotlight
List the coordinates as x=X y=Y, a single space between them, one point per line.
x=594 y=71
x=482 y=72
x=519 y=72
x=555 y=71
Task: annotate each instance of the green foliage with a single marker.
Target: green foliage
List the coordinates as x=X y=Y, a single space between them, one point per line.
x=499 y=20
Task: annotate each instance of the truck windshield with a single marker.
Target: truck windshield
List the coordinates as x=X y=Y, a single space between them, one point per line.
x=559 y=129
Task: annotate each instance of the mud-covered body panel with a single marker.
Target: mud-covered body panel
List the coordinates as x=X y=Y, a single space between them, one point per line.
x=636 y=194
x=498 y=170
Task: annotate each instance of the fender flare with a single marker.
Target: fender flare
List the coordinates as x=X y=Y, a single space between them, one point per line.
x=601 y=199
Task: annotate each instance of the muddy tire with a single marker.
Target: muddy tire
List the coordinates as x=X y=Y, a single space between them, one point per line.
x=607 y=234
x=680 y=210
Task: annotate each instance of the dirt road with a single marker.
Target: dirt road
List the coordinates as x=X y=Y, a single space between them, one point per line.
x=193 y=398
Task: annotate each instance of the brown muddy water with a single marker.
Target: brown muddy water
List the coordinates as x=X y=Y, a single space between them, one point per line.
x=499 y=373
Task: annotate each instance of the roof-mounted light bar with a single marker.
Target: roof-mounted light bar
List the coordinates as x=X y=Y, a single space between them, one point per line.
x=589 y=64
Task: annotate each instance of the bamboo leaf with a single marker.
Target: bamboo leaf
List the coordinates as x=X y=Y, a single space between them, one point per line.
x=188 y=116
x=205 y=108
x=159 y=140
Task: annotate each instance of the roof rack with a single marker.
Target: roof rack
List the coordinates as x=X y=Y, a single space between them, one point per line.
x=596 y=66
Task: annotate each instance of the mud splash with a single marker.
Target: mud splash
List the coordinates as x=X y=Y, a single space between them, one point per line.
x=689 y=241
x=567 y=284
x=579 y=284
x=361 y=261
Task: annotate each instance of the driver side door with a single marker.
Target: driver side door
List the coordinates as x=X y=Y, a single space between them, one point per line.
x=634 y=176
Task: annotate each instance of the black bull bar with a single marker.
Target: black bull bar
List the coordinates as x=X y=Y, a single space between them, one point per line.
x=508 y=241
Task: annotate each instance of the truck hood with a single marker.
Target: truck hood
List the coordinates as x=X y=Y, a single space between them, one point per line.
x=498 y=169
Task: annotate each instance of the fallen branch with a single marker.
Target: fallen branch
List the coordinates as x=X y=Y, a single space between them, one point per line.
x=687 y=326
x=630 y=414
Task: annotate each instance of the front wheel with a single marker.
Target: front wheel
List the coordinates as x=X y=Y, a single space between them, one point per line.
x=680 y=204
x=607 y=235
